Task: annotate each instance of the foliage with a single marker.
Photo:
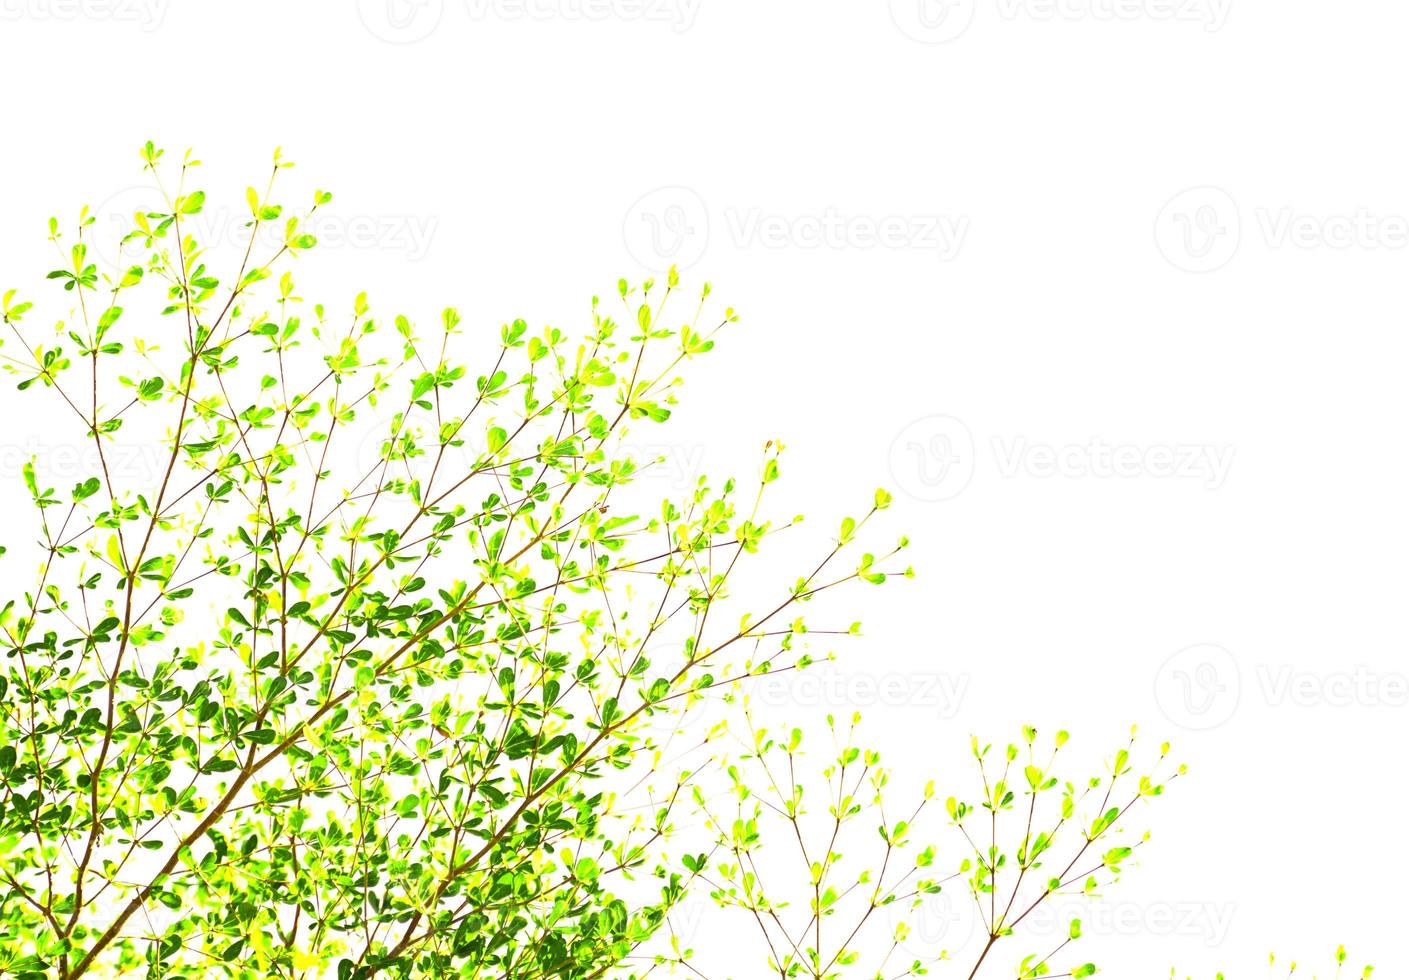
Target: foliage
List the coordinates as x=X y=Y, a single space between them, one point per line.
x=268 y=712
x=1290 y=970
x=1029 y=837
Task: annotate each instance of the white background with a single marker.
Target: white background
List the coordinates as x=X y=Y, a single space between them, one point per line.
x=1169 y=418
